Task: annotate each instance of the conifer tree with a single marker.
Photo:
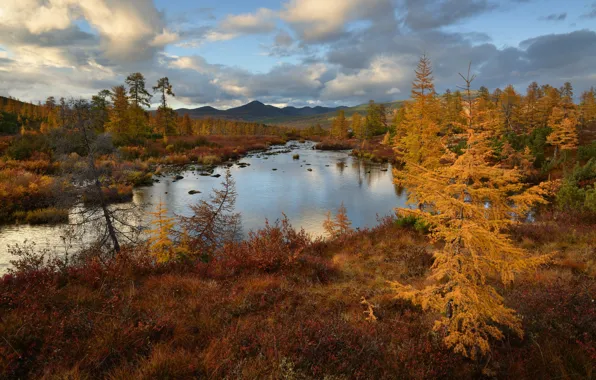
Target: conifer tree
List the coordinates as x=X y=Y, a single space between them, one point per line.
x=119 y=123
x=588 y=107
x=421 y=142
x=357 y=126
x=139 y=96
x=339 y=128
x=340 y=225
x=563 y=122
x=186 y=125
x=165 y=115
x=468 y=203
x=161 y=245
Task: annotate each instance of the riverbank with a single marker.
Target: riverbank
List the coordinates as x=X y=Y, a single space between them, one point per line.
x=293 y=308
x=30 y=185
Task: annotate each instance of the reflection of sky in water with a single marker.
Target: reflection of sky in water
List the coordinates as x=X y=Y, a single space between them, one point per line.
x=303 y=196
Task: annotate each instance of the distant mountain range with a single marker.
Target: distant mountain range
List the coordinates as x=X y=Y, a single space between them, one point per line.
x=256 y=111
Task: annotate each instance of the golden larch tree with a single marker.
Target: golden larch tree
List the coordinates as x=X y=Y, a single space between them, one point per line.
x=339 y=128
x=357 y=126
x=161 y=245
x=563 y=121
x=421 y=142
x=468 y=201
x=340 y=225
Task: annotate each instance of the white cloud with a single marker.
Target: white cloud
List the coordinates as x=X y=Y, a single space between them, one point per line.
x=126 y=29
x=379 y=78
x=166 y=37
x=317 y=20
x=260 y=22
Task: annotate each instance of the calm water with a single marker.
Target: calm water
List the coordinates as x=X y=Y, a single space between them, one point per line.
x=365 y=188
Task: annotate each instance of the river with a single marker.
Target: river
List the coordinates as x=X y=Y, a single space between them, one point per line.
x=304 y=195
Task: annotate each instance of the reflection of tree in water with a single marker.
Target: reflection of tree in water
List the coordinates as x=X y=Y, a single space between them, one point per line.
x=368 y=170
x=341 y=166
x=399 y=190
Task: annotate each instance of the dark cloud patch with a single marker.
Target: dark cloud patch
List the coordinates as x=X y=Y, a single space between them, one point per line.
x=554 y=17
x=431 y=14
x=71 y=36
x=591 y=14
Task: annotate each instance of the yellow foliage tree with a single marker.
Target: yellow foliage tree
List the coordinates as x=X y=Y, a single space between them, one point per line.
x=563 y=122
x=339 y=128
x=468 y=203
x=421 y=142
x=160 y=244
x=341 y=225
x=588 y=106
x=357 y=126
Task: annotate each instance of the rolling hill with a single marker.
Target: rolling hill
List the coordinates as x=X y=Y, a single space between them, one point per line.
x=288 y=116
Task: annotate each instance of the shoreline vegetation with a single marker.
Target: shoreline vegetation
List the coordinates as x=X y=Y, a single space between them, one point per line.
x=457 y=286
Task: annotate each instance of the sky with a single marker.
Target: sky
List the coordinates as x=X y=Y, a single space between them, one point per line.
x=226 y=53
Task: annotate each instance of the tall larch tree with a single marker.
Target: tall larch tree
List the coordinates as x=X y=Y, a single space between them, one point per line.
x=339 y=128
x=563 y=122
x=468 y=203
x=161 y=245
x=165 y=115
x=138 y=94
x=588 y=107
x=357 y=126
x=119 y=123
x=186 y=125
x=139 y=99
x=421 y=142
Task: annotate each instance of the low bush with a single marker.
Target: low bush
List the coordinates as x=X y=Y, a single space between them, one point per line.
x=50 y=215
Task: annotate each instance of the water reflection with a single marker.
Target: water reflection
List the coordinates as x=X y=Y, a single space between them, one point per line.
x=303 y=189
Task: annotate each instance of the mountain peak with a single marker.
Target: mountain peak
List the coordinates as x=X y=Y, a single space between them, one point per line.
x=255 y=103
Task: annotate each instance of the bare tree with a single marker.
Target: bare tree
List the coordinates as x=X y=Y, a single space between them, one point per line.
x=213 y=222
x=80 y=146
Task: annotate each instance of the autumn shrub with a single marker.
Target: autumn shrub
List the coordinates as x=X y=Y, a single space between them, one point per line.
x=413 y=222
x=49 y=215
x=139 y=178
x=209 y=160
x=334 y=145
x=115 y=193
x=586 y=152
x=272 y=248
x=38 y=166
x=23 y=147
x=131 y=152
x=25 y=191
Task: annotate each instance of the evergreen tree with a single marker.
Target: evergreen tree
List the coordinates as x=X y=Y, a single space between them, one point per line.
x=166 y=116
x=138 y=95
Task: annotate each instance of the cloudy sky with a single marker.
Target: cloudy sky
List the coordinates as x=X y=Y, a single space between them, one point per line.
x=291 y=52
